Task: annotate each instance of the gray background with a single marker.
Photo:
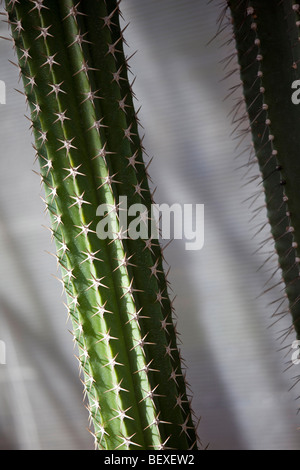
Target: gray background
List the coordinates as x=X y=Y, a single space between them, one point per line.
x=235 y=360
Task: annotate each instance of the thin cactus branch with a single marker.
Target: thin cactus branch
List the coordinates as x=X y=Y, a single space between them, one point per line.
x=87 y=142
x=266 y=35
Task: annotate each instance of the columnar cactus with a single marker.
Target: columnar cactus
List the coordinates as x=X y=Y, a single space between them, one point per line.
x=87 y=143
x=266 y=35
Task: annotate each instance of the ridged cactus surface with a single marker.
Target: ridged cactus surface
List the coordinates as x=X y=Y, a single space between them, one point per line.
x=266 y=37
x=87 y=143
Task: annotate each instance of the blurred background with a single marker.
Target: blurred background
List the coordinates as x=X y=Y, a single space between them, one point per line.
x=236 y=360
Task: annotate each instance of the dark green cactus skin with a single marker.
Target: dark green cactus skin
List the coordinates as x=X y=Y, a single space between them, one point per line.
x=266 y=37
x=87 y=142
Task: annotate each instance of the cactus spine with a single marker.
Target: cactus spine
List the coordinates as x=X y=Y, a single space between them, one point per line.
x=266 y=36
x=87 y=142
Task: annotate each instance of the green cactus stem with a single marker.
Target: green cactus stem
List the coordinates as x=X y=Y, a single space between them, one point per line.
x=87 y=143
x=266 y=35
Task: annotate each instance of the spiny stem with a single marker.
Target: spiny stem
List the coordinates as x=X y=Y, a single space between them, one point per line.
x=266 y=36
x=87 y=142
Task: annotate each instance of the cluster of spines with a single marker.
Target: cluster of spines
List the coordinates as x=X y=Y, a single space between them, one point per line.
x=88 y=146
x=254 y=24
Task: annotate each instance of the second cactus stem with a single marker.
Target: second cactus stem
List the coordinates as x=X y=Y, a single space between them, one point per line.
x=87 y=142
x=266 y=35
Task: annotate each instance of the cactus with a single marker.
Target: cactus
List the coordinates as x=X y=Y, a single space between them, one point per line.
x=86 y=131
x=266 y=37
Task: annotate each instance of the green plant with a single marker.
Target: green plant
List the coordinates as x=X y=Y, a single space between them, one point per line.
x=72 y=63
x=266 y=35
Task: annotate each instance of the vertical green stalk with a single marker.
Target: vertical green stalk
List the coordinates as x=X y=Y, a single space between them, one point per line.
x=267 y=42
x=87 y=142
